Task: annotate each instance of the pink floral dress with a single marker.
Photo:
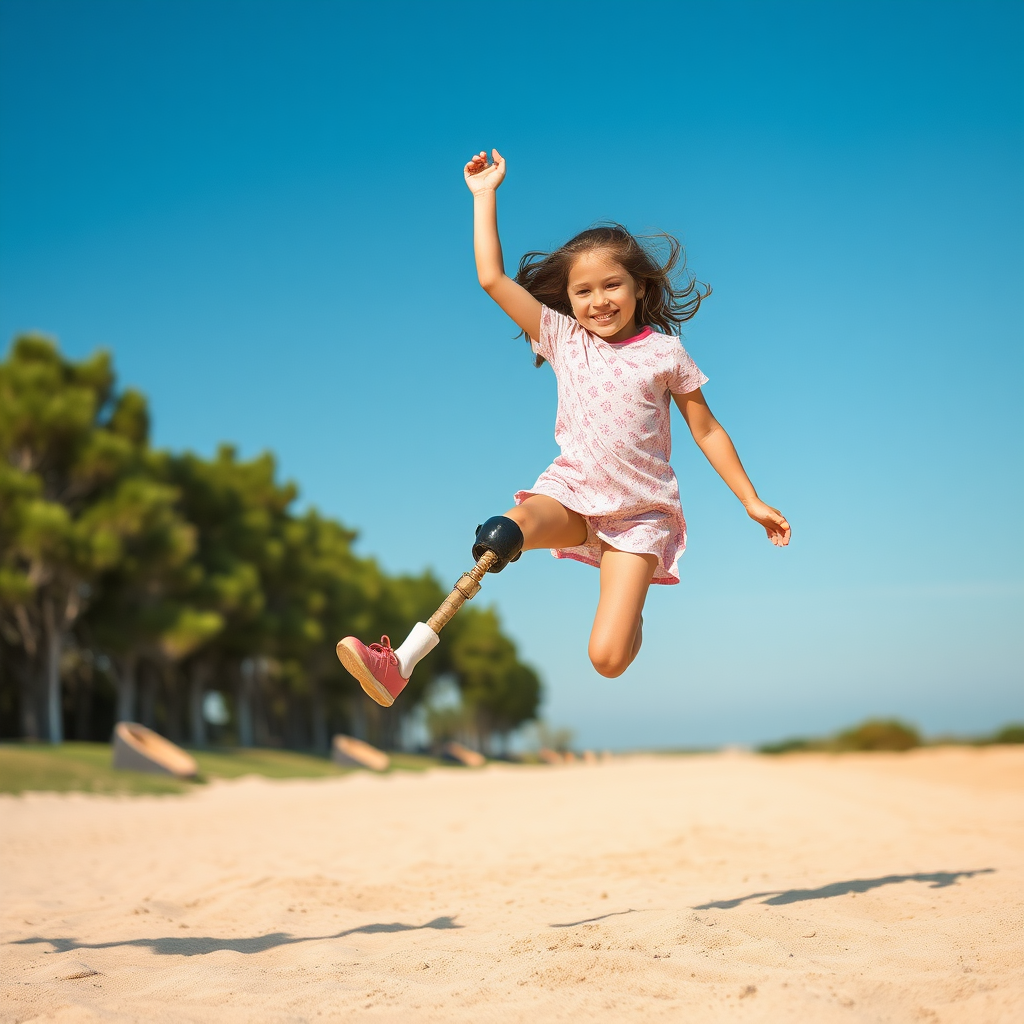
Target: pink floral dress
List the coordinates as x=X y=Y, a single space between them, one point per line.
x=613 y=428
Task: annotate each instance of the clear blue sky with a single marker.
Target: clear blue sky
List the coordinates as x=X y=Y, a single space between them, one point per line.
x=258 y=206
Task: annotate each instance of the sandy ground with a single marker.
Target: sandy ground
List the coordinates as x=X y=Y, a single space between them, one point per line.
x=806 y=888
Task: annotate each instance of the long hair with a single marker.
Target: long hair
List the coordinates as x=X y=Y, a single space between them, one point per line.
x=670 y=297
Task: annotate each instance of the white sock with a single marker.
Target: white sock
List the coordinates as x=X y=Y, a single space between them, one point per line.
x=421 y=641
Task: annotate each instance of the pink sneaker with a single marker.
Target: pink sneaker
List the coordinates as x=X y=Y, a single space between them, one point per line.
x=376 y=668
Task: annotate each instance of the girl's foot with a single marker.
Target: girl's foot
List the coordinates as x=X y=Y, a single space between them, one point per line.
x=376 y=668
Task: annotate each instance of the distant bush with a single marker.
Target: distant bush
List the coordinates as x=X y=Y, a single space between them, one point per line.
x=790 y=745
x=1012 y=733
x=874 y=734
x=887 y=734
x=878 y=734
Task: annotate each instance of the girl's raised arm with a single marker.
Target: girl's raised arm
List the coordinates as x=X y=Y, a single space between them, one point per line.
x=483 y=180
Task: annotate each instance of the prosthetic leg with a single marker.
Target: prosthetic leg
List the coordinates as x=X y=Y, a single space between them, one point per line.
x=383 y=672
x=498 y=542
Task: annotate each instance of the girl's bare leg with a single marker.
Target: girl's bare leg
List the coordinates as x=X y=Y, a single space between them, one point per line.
x=617 y=634
x=547 y=523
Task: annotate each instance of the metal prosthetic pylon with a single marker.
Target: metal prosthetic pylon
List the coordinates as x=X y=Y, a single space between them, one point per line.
x=466 y=588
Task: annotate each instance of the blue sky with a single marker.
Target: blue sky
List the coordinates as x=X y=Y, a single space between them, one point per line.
x=258 y=206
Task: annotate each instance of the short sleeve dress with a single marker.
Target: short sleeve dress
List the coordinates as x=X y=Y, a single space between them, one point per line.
x=613 y=429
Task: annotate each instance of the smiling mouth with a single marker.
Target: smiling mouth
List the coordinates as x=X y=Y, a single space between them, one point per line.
x=603 y=318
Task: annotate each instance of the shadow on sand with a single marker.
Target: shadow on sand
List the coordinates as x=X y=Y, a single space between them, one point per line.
x=591 y=920
x=938 y=879
x=195 y=945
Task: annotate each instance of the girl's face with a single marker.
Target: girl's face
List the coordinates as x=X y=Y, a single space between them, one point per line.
x=603 y=295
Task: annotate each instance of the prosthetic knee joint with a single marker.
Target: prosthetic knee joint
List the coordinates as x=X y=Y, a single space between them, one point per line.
x=502 y=536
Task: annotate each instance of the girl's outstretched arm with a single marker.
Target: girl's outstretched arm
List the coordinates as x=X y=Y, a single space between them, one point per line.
x=483 y=180
x=717 y=446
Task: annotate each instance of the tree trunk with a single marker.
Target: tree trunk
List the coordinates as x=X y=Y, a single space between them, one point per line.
x=261 y=720
x=30 y=691
x=83 y=702
x=173 y=709
x=54 y=709
x=147 y=701
x=358 y=718
x=28 y=694
x=196 y=695
x=126 y=687
x=295 y=723
x=319 y=719
x=243 y=703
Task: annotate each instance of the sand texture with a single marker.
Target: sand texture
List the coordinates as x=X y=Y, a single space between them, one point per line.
x=808 y=888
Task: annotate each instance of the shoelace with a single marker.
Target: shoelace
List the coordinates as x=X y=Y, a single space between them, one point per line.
x=383 y=650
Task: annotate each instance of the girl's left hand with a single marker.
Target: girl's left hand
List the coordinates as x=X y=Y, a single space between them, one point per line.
x=773 y=521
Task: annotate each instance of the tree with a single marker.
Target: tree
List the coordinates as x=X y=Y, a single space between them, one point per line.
x=237 y=509
x=137 y=610
x=501 y=692
x=173 y=574
x=65 y=442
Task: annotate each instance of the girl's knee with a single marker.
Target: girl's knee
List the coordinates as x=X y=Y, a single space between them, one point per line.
x=609 y=660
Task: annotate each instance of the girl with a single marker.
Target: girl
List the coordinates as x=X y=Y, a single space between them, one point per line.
x=601 y=311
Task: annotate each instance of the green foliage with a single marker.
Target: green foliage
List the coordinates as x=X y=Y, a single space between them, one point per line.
x=557 y=739
x=879 y=734
x=190 y=629
x=872 y=734
x=130 y=418
x=498 y=690
x=791 y=745
x=60 y=462
x=449 y=722
x=1012 y=733
x=887 y=734
x=132 y=581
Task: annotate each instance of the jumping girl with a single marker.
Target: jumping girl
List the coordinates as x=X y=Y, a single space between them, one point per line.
x=601 y=310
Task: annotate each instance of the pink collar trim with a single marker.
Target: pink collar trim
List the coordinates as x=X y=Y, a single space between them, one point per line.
x=646 y=332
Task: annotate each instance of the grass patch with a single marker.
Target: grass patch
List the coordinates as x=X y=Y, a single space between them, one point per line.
x=417 y=762
x=87 y=768
x=272 y=764
x=75 y=767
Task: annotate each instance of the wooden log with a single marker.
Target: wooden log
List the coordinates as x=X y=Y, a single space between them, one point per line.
x=466 y=588
x=470 y=758
x=139 y=749
x=347 y=750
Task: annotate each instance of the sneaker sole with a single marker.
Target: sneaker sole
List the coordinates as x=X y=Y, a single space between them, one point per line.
x=355 y=667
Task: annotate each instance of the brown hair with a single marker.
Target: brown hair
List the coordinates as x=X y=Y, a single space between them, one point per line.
x=666 y=302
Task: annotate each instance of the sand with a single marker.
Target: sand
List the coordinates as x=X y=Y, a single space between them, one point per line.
x=723 y=887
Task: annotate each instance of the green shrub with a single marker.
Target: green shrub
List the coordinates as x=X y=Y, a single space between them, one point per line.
x=788 y=746
x=1012 y=733
x=879 y=734
x=874 y=734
